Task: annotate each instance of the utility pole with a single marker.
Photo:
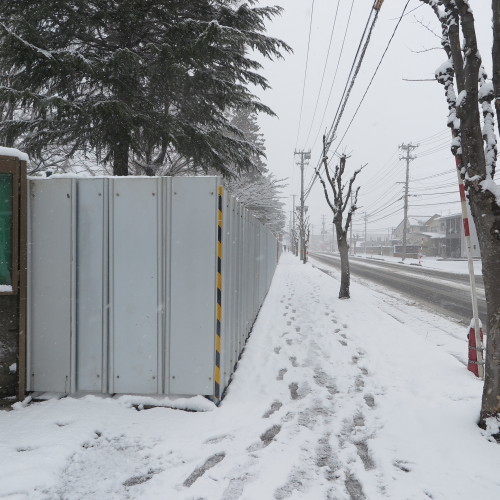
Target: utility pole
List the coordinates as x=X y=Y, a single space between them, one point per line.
x=304 y=155
x=408 y=148
x=366 y=218
x=351 y=250
x=294 y=232
x=323 y=231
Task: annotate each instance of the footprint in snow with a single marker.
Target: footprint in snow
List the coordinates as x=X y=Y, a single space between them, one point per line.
x=359 y=384
x=402 y=465
x=219 y=439
x=135 y=480
x=266 y=438
x=295 y=482
x=277 y=350
x=324 y=380
x=364 y=454
x=369 y=400
x=281 y=374
x=295 y=393
x=353 y=487
x=294 y=388
x=275 y=406
x=199 y=471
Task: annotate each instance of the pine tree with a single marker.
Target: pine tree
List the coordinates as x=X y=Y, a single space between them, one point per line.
x=258 y=190
x=133 y=80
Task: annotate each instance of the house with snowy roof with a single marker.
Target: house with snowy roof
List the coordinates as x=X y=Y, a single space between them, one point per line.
x=439 y=236
x=415 y=226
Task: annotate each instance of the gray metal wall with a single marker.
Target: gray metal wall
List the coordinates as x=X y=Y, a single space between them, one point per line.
x=122 y=281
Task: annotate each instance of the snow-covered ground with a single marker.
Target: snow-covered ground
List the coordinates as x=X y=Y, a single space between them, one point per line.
x=367 y=398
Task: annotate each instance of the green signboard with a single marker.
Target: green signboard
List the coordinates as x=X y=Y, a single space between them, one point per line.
x=5 y=229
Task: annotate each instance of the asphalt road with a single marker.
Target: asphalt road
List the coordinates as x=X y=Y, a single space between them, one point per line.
x=442 y=292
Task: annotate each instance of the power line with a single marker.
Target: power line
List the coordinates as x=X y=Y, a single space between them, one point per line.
x=353 y=73
x=338 y=116
x=434 y=175
x=305 y=74
x=335 y=74
x=375 y=72
x=324 y=71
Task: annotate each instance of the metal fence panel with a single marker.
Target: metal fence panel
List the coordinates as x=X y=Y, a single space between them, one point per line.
x=193 y=285
x=123 y=284
x=51 y=281
x=91 y=285
x=133 y=285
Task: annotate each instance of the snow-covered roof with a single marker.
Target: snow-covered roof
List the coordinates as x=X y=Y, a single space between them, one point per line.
x=434 y=236
x=13 y=152
x=414 y=221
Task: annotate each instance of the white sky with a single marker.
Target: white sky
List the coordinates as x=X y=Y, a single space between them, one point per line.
x=394 y=111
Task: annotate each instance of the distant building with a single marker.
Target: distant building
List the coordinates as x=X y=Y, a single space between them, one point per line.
x=454 y=244
x=438 y=236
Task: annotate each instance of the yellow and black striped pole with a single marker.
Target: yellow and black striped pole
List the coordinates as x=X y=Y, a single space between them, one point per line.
x=219 y=298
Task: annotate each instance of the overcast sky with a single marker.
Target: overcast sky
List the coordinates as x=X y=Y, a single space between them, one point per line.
x=394 y=111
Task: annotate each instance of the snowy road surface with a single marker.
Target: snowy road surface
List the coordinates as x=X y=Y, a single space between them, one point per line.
x=358 y=399
x=443 y=292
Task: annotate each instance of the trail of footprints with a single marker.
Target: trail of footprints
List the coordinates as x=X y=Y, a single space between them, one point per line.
x=326 y=451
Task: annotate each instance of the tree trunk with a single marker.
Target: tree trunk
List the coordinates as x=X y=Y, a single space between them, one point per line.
x=345 y=275
x=495 y=52
x=486 y=215
x=120 y=155
x=484 y=208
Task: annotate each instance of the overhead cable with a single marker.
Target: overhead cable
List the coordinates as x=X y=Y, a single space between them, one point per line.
x=324 y=71
x=305 y=75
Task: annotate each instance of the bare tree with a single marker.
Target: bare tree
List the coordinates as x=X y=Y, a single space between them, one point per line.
x=340 y=203
x=475 y=150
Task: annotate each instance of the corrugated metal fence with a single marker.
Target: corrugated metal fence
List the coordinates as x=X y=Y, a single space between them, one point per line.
x=141 y=285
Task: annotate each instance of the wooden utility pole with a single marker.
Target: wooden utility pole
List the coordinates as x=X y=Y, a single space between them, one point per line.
x=408 y=148
x=366 y=218
x=304 y=155
x=351 y=249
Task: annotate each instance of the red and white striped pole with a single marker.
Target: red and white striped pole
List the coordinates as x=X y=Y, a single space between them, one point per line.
x=475 y=336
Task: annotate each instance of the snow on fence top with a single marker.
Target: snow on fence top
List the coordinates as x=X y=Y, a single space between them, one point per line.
x=13 y=152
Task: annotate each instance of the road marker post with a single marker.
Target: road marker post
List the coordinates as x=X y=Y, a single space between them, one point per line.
x=475 y=335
